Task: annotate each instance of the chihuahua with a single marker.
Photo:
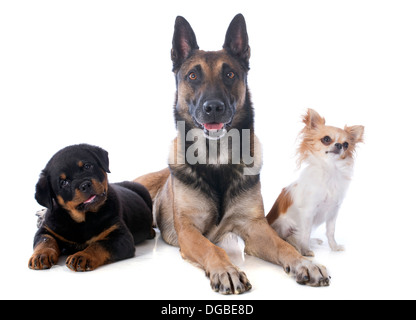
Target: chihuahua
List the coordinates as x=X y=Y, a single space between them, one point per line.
x=317 y=195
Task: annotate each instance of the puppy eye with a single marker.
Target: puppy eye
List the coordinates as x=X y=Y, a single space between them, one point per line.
x=326 y=140
x=345 y=145
x=192 y=76
x=88 y=166
x=231 y=75
x=63 y=183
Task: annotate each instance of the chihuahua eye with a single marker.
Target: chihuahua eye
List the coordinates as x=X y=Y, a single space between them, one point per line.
x=326 y=140
x=345 y=145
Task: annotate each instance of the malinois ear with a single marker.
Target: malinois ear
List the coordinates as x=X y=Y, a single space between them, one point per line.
x=184 y=42
x=236 y=40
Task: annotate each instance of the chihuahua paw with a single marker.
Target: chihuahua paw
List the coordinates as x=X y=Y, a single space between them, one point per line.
x=306 y=252
x=337 y=248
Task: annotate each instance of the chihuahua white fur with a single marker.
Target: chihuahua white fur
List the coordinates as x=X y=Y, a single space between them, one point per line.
x=315 y=198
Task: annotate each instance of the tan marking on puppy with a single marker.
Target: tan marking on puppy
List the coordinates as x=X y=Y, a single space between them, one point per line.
x=103 y=235
x=45 y=254
x=57 y=236
x=70 y=206
x=89 y=259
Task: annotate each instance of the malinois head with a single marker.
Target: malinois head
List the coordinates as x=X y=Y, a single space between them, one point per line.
x=212 y=92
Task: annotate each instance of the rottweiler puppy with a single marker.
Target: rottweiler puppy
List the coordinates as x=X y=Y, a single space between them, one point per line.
x=92 y=221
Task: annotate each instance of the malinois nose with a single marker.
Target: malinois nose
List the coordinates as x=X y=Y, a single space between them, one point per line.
x=213 y=107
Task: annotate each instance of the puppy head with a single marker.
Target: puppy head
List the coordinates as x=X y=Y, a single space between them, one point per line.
x=76 y=180
x=326 y=142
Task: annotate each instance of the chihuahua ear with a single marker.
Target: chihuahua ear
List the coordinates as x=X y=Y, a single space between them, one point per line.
x=356 y=133
x=313 y=120
x=184 y=42
x=43 y=193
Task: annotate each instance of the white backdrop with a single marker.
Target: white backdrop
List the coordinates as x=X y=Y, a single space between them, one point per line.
x=99 y=72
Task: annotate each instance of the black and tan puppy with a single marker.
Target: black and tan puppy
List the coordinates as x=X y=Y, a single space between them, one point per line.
x=91 y=220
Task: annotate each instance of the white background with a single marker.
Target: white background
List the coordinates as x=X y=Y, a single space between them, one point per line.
x=100 y=72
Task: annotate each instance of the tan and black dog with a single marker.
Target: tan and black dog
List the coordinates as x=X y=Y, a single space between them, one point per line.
x=210 y=190
x=91 y=220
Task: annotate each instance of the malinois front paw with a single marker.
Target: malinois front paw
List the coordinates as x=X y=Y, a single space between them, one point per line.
x=229 y=281
x=308 y=273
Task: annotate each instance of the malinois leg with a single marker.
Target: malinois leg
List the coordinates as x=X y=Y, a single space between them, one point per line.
x=225 y=277
x=263 y=242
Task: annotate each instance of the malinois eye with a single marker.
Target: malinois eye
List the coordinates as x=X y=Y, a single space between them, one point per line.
x=231 y=75
x=192 y=76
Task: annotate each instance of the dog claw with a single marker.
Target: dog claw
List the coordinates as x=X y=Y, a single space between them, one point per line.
x=308 y=273
x=229 y=282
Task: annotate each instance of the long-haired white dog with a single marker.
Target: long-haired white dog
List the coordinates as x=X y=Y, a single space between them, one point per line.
x=317 y=195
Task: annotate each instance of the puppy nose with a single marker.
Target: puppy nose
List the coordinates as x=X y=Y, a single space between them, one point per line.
x=339 y=146
x=213 y=107
x=85 y=186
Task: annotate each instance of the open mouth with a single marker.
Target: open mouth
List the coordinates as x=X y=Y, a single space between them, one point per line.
x=91 y=201
x=213 y=126
x=214 y=131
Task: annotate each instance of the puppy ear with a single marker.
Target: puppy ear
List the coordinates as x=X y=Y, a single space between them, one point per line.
x=44 y=194
x=313 y=120
x=102 y=158
x=184 y=42
x=236 y=40
x=356 y=133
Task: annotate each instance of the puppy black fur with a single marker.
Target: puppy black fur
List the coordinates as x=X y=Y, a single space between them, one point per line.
x=91 y=220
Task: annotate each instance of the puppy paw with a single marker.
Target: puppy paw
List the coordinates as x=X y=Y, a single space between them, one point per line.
x=230 y=280
x=43 y=259
x=81 y=262
x=308 y=273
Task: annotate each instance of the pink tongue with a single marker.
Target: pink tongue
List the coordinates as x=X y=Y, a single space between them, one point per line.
x=213 y=126
x=90 y=199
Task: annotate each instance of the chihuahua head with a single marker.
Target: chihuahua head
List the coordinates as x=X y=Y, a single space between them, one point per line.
x=325 y=142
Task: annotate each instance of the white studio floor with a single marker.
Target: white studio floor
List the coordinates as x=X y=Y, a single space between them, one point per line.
x=158 y=272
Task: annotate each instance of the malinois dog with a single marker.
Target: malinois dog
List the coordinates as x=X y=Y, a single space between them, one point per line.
x=203 y=196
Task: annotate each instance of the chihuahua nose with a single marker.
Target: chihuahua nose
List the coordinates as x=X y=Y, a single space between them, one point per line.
x=213 y=107
x=85 y=186
x=339 y=146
